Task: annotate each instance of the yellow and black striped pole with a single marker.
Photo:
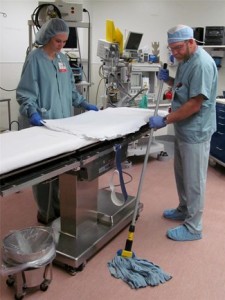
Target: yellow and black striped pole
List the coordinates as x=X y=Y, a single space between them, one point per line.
x=127 y=253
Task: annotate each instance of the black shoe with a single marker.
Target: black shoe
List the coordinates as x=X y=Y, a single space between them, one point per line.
x=44 y=220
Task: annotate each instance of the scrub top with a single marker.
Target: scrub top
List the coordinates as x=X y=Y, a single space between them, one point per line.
x=196 y=76
x=47 y=86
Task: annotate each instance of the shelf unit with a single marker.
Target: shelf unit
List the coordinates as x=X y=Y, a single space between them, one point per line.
x=144 y=74
x=214 y=48
x=217 y=147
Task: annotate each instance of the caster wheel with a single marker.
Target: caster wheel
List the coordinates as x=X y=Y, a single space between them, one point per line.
x=44 y=286
x=10 y=281
x=212 y=162
x=81 y=267
x=19 y=297
x=72 y=271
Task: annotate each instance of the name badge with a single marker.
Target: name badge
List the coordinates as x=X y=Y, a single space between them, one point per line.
x=62 y=67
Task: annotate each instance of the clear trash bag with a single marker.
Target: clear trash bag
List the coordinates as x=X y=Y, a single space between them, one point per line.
x=31 y=247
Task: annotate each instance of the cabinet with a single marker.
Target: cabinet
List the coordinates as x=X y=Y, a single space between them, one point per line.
x=217 y=147
x=217 y=52
x=144 y=75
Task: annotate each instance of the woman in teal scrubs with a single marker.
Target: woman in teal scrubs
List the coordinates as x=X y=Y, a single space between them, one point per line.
x=47 y=91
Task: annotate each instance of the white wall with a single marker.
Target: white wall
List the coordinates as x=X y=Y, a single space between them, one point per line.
x=153 y=18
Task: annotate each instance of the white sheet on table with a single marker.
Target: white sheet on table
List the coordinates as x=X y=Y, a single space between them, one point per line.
x=105 y=124
x=31 y=145
x=22 y=148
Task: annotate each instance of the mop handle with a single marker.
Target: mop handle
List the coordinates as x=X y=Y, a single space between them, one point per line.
x=147 y=153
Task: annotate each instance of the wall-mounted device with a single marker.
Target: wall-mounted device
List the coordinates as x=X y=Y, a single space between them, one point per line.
x=215 y=35
x=70 y=12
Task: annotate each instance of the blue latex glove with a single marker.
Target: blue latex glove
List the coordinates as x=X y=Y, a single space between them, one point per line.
x=163 y=74
x=157 y=122
x=88 y=106
x=92 y=107
x=36 y=119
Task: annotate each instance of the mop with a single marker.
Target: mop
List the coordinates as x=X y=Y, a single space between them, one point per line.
x=126 y=265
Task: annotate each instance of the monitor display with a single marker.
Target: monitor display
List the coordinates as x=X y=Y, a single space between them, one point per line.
x=133 y=41
x=71 y=43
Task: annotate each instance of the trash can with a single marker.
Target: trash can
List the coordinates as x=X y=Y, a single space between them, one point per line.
x=24 y=252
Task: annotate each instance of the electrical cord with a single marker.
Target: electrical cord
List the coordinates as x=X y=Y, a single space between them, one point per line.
x=138 y=93
x=101 y=72
x=120 y=84
x=89 y=43
x=127 y=182
x=6 y=90
x=36 y=12
x=96 y=98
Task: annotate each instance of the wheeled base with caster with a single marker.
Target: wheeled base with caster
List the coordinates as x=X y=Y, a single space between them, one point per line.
x=30 y=280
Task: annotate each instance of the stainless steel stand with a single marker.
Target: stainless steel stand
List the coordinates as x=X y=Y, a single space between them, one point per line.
x=30 y=280
x=88 y=221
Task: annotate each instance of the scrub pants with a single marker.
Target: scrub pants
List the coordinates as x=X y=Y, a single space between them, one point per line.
x=190 y=167
x=46 y=195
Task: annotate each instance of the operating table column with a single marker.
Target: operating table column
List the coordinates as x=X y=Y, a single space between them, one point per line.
x=78 y=202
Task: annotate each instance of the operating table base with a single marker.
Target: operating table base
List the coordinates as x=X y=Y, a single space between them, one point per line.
x=72 y=251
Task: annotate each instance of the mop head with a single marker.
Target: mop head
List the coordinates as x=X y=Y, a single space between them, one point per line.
x=137 y=273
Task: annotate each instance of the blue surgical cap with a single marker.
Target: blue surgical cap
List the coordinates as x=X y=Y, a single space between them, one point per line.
x=49 y=29
x=179 y=33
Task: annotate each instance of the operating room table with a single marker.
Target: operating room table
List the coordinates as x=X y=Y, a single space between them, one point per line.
x=89 y=219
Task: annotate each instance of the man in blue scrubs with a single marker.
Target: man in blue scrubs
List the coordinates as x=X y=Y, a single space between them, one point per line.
x=47 y=91
x=194 y=118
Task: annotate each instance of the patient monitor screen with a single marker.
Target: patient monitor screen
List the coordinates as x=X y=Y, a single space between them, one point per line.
x=71 y=43
x=133 y=41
